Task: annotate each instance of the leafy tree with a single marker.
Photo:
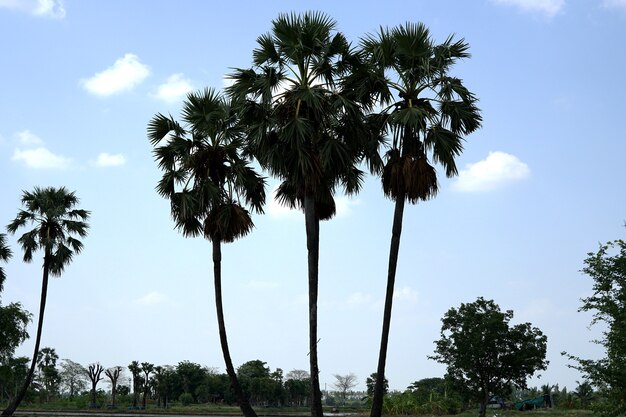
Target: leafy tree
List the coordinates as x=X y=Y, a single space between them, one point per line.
x=607 y=268
x=297 y=386
x=344 y=383
x=114 y=375
x=584 y=392
x=48 y=374
x=428 y=112
x=13 y=371
x=486 y=355
x=370 y=383
x=13 y=322
x=204 y=160
x=94 y=372
x=305 y=129
x=135 y=371
x=56 y=221
x=147 y=368
x=73 y=377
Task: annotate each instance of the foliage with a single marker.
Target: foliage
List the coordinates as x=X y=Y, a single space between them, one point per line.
x=5 y=255
x=370 y=382
x=484 y=354
x=185 y=398
x=607 y=268
x=13 y=322
x=344 y=383
x=73 y=377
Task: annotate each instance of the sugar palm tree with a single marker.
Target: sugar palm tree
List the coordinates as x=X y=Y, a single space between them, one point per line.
x=428 y=112
x=5 y=255
x=304 y=128
x=209 y=185
x=56 y=220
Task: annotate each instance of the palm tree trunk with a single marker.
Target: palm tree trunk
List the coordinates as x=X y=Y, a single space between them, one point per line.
x=396 y=231
x=42 y=307
x=244 y=404
x=313 y=242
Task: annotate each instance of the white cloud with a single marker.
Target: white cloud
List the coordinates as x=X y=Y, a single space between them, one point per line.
x=28 y=138
x=174 y=89
x=41 y=158
x=107 y=160
x=54 y=9
x=123 y=75
x=344 y=205
x=548 y=8
x=498 y=169
x=152 y=298
x=406 y=294
x=614 y=4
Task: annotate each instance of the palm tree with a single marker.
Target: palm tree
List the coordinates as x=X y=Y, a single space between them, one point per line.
x=55 y=219
x=304 y=129
x=428 y=112
x=209 y=184
x=5 y=255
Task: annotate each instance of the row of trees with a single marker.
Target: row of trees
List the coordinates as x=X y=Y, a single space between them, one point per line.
x=312 y=110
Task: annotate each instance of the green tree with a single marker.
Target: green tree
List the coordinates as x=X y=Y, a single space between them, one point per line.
x=370 y=383
x=135 y=371
x=13 y=371
x=147 y=368
x=486 y=355
x=304 y=128
x=428 y=112
x=13 y=322
x=584 y=392
x=48 y=375
x=56 y=221
x=203 y=159
x=607 y=268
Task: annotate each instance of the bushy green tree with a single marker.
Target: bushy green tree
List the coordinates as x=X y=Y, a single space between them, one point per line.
x=607 y=268
x=485 y=354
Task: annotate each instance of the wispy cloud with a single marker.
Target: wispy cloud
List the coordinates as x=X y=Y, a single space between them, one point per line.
x=33 y=154
x=174 y=89
x=108 y=160
x=358 y=299
x=152 y=298
x=495 y=171
x=548 y=8
x=126 y=73
x=28 y=138
x=53 y=9
x=614 y=4
x=41 y=158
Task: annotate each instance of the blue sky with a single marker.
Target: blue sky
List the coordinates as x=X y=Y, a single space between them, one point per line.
x=540 y=185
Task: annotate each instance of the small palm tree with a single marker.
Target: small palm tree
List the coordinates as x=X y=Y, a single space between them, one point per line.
x=56 y=221
x=428 y=112
x=209 y=185
x=305 y=129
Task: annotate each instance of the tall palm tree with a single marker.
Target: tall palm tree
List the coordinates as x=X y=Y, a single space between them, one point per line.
x=5 y=255
x=209 y=185
x=304 y=128
x=428 y=111
x=56 y=220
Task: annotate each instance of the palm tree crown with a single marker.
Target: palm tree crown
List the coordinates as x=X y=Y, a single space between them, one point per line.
x=432 y=110
x=208 y=181
x=54 y=216
x=303 y=126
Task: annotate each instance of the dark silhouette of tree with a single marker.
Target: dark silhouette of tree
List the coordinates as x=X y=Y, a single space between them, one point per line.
x=147 y=369
x=55 y=219
x=304 y=128
x=135 y=370
x=209 y=185
x=113 y=374
x=427 y=111
x=93 y=373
